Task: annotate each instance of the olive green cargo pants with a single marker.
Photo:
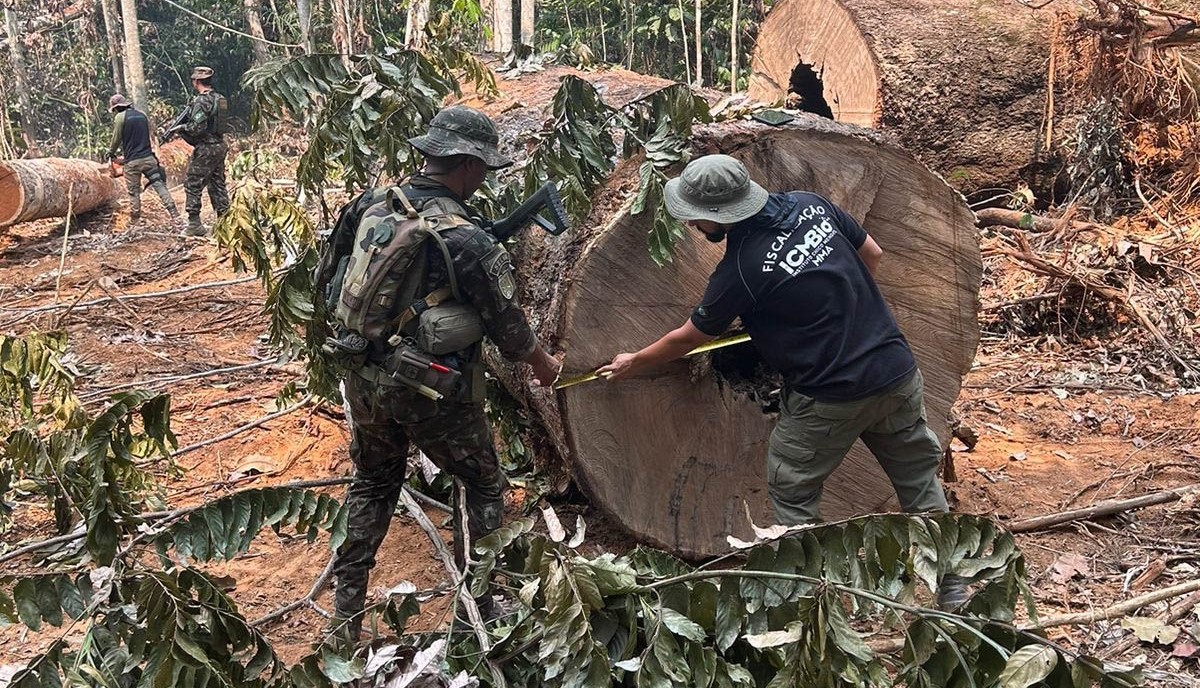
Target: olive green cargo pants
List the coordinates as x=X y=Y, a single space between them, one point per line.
x=812 y=437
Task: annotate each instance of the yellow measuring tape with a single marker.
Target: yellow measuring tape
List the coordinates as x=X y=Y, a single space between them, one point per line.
x=703 y=348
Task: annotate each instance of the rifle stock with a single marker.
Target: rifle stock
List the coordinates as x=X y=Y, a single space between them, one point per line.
x=546 y=198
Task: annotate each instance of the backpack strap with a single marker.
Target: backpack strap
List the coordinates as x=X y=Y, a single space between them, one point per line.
x=437 y=221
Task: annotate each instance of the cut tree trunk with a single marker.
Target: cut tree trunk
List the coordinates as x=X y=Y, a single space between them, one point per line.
x=679 y=457
x=46 y=187
x=960 y=83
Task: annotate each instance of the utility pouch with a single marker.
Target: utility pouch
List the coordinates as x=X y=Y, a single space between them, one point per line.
x=422 y=372
x=449 y=327
x=348 y=349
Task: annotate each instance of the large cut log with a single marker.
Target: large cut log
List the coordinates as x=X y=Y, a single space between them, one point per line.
x=46 y=187
x=678 y=457
x=960 y=83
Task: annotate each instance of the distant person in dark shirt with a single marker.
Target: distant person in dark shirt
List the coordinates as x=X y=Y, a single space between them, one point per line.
x=798 y=272
x=131 y=136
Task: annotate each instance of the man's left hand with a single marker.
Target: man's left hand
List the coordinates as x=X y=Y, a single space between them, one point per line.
x=623 y=366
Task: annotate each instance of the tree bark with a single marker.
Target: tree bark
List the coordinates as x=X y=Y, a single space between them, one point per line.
x=501 y=24
x=961 y=84
x=135 y=77
x=16 y=53
x=414 y=25
x=34 y=189
x=116 y=52
x=528 y=11
x=699 y=54
x=304 y=12
x=255 y=28
x=677 y=457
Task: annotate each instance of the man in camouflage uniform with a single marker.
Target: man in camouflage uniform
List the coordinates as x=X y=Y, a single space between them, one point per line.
x=203 y=124
x=459 y=148
x=131 y=136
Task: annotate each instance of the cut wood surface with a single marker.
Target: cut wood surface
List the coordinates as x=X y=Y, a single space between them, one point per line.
x=960 y=83
x=34 y=189
x=676 y=457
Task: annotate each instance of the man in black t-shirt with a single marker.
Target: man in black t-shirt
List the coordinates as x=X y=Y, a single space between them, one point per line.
x=798 y=273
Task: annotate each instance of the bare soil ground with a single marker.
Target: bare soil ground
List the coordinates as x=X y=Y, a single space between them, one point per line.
x=1047 y=442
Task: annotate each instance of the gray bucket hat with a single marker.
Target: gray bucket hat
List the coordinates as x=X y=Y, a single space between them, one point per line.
x=461 y=130
x=716 y=188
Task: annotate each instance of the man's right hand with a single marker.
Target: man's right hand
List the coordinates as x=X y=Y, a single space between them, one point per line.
x=545 y=367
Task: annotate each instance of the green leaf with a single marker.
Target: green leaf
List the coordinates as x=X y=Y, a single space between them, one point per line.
x=340 y=670
x=1027 y=666
x=25 y=594
x=682 y=626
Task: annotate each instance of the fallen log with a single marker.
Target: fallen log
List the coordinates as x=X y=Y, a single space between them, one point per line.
x=47 y=187
x=674 y=458
x=960 y=83
x=1118 y=506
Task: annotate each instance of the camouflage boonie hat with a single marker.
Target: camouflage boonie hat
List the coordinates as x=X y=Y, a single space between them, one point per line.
x=117 y=101
x=461 y=130
x=202 y=72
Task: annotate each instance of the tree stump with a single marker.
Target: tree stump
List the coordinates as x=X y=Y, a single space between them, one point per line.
x=960 y=83
x=677 y=458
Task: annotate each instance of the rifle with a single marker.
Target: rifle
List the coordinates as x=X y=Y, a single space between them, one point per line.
x=530 y=211
x=171 y=130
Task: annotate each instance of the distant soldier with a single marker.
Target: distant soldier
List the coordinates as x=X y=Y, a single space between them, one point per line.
x=131 y=136
x=204 y=125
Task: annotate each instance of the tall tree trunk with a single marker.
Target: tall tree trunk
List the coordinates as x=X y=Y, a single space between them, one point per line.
x=733 y=50
x=502 y=25
x=528 y=10
x=414 y=26
x=135 y=77
x=116 y=51
x=687 y=53
x=699 y=54
x=254 y=24
x=343 y=30
x=304 y=12
x=17 y=52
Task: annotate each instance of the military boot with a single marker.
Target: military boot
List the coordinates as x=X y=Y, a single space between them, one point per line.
x=194 y=228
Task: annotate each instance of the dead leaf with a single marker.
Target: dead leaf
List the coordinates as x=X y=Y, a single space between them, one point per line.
x=1069 y=566
x=1150 y=630
x=554 y=527
x=1185 y=647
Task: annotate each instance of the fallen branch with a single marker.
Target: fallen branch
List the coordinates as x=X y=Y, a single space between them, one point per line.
x=457 y=582
x=1173 y=615
x=1102 y=509
x=308 y=600
x=243 y=428
x=1117 y=610
x=172 y=379
x=130 y=297
x=1036 y=223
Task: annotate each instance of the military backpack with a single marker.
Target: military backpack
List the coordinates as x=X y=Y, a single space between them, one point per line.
x=375 y=292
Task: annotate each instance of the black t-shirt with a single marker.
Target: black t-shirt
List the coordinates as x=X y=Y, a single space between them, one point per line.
x=793 y=275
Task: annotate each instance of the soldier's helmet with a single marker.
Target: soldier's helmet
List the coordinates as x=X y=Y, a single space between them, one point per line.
x=118 y=101
x=202 y=72
x=461 y=130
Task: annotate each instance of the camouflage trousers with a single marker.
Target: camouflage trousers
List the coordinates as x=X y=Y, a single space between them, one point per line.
x=134 y=169
x=383 y=420
x=206 y=169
